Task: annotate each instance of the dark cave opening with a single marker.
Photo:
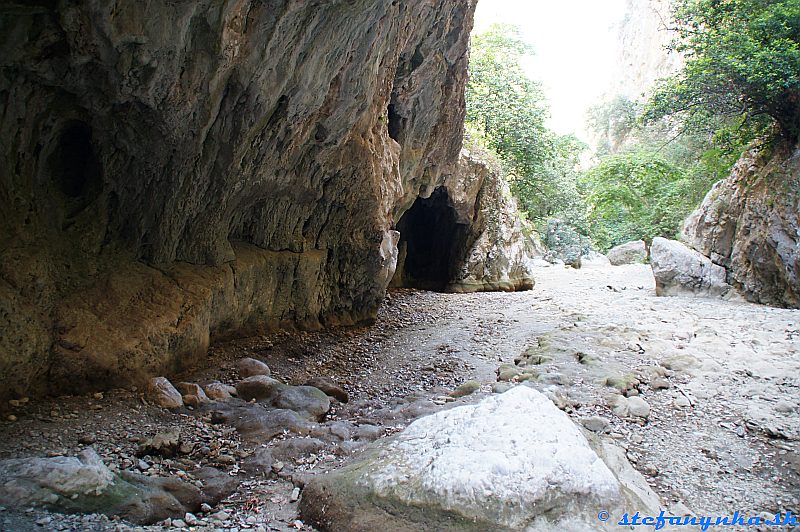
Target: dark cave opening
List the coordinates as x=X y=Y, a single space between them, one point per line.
x=76 y=171
x=395 y=124
x=432 y=244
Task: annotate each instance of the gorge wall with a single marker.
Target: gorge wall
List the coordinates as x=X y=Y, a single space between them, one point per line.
x=750 y=225
x=643 y=59
x=173 y=172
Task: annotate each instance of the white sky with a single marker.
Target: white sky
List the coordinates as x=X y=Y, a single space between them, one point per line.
x=575 y=50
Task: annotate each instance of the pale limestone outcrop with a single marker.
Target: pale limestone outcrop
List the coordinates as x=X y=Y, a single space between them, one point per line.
x=468 y=235
x=749 y=224
x=500 y=255
x=680 y=270
x=514 y=461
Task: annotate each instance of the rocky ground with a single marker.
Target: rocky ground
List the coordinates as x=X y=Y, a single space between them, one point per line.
x=704 y=395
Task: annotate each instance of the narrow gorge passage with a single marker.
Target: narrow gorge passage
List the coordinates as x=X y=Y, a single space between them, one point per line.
x=720 y=436
x=381 y=265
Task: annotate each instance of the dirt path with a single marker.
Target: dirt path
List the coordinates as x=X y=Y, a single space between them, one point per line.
x=721 y=379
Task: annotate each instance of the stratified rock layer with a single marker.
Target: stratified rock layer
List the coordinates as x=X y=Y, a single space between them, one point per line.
x=749 y=224
x=174 y=172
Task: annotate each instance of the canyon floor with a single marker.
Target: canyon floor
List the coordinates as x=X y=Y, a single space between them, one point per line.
x=721 y=379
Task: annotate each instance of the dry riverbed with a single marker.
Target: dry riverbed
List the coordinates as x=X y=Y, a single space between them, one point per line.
x=714 y=423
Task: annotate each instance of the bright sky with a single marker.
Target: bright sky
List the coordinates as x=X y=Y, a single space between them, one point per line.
x=575 y=47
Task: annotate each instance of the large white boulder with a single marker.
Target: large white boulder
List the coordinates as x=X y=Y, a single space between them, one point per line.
x=43 y=481
x=679 y=270
x=628 y=253
x=512 y=462
x=594 y=259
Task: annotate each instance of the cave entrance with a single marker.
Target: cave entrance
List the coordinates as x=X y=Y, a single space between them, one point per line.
x=432 y=243
x=76 y=170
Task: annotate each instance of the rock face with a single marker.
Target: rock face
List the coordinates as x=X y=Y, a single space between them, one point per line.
x=642 y=55
x=177 y=172
x=749 y=224
x=511 y=462
x=628 y=253
x=500 y=257
x=473 y=218
x=680 y=270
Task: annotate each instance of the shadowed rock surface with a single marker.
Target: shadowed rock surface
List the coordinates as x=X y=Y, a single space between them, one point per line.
x=176 y=173
x=749 y=224
x=468 y=236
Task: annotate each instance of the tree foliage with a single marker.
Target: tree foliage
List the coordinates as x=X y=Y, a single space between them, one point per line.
x=508 y=110
x=651 y=175
x=657 y=159
x=742 y=60
x=636 y=195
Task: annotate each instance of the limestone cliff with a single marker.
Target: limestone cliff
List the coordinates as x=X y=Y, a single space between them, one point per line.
x=172 y=172
x=500 y=254
x=749 y=224
x=643 y=59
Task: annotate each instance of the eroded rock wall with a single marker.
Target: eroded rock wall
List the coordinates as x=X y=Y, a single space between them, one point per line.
x=499 y=255
x=749 y=224
x=173 y=171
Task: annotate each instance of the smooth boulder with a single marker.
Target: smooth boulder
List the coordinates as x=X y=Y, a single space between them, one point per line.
x=511 y=462
x=595 y=260
x=249 y=367
x=258 y=387
x=330 y=388
x=217 y=391
x=164 y=394
x=84 y=484
x=308 y=401
x=629 y=253
x=680 y=270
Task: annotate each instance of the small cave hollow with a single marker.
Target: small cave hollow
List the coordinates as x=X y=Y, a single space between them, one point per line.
x=74 y=166
x=432 y=244
x=395 y=122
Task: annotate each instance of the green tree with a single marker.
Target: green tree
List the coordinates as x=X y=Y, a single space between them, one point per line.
x=636 y=195
x=504 y=105
x=742 y=60
x=669 y=163
x=508 y=110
